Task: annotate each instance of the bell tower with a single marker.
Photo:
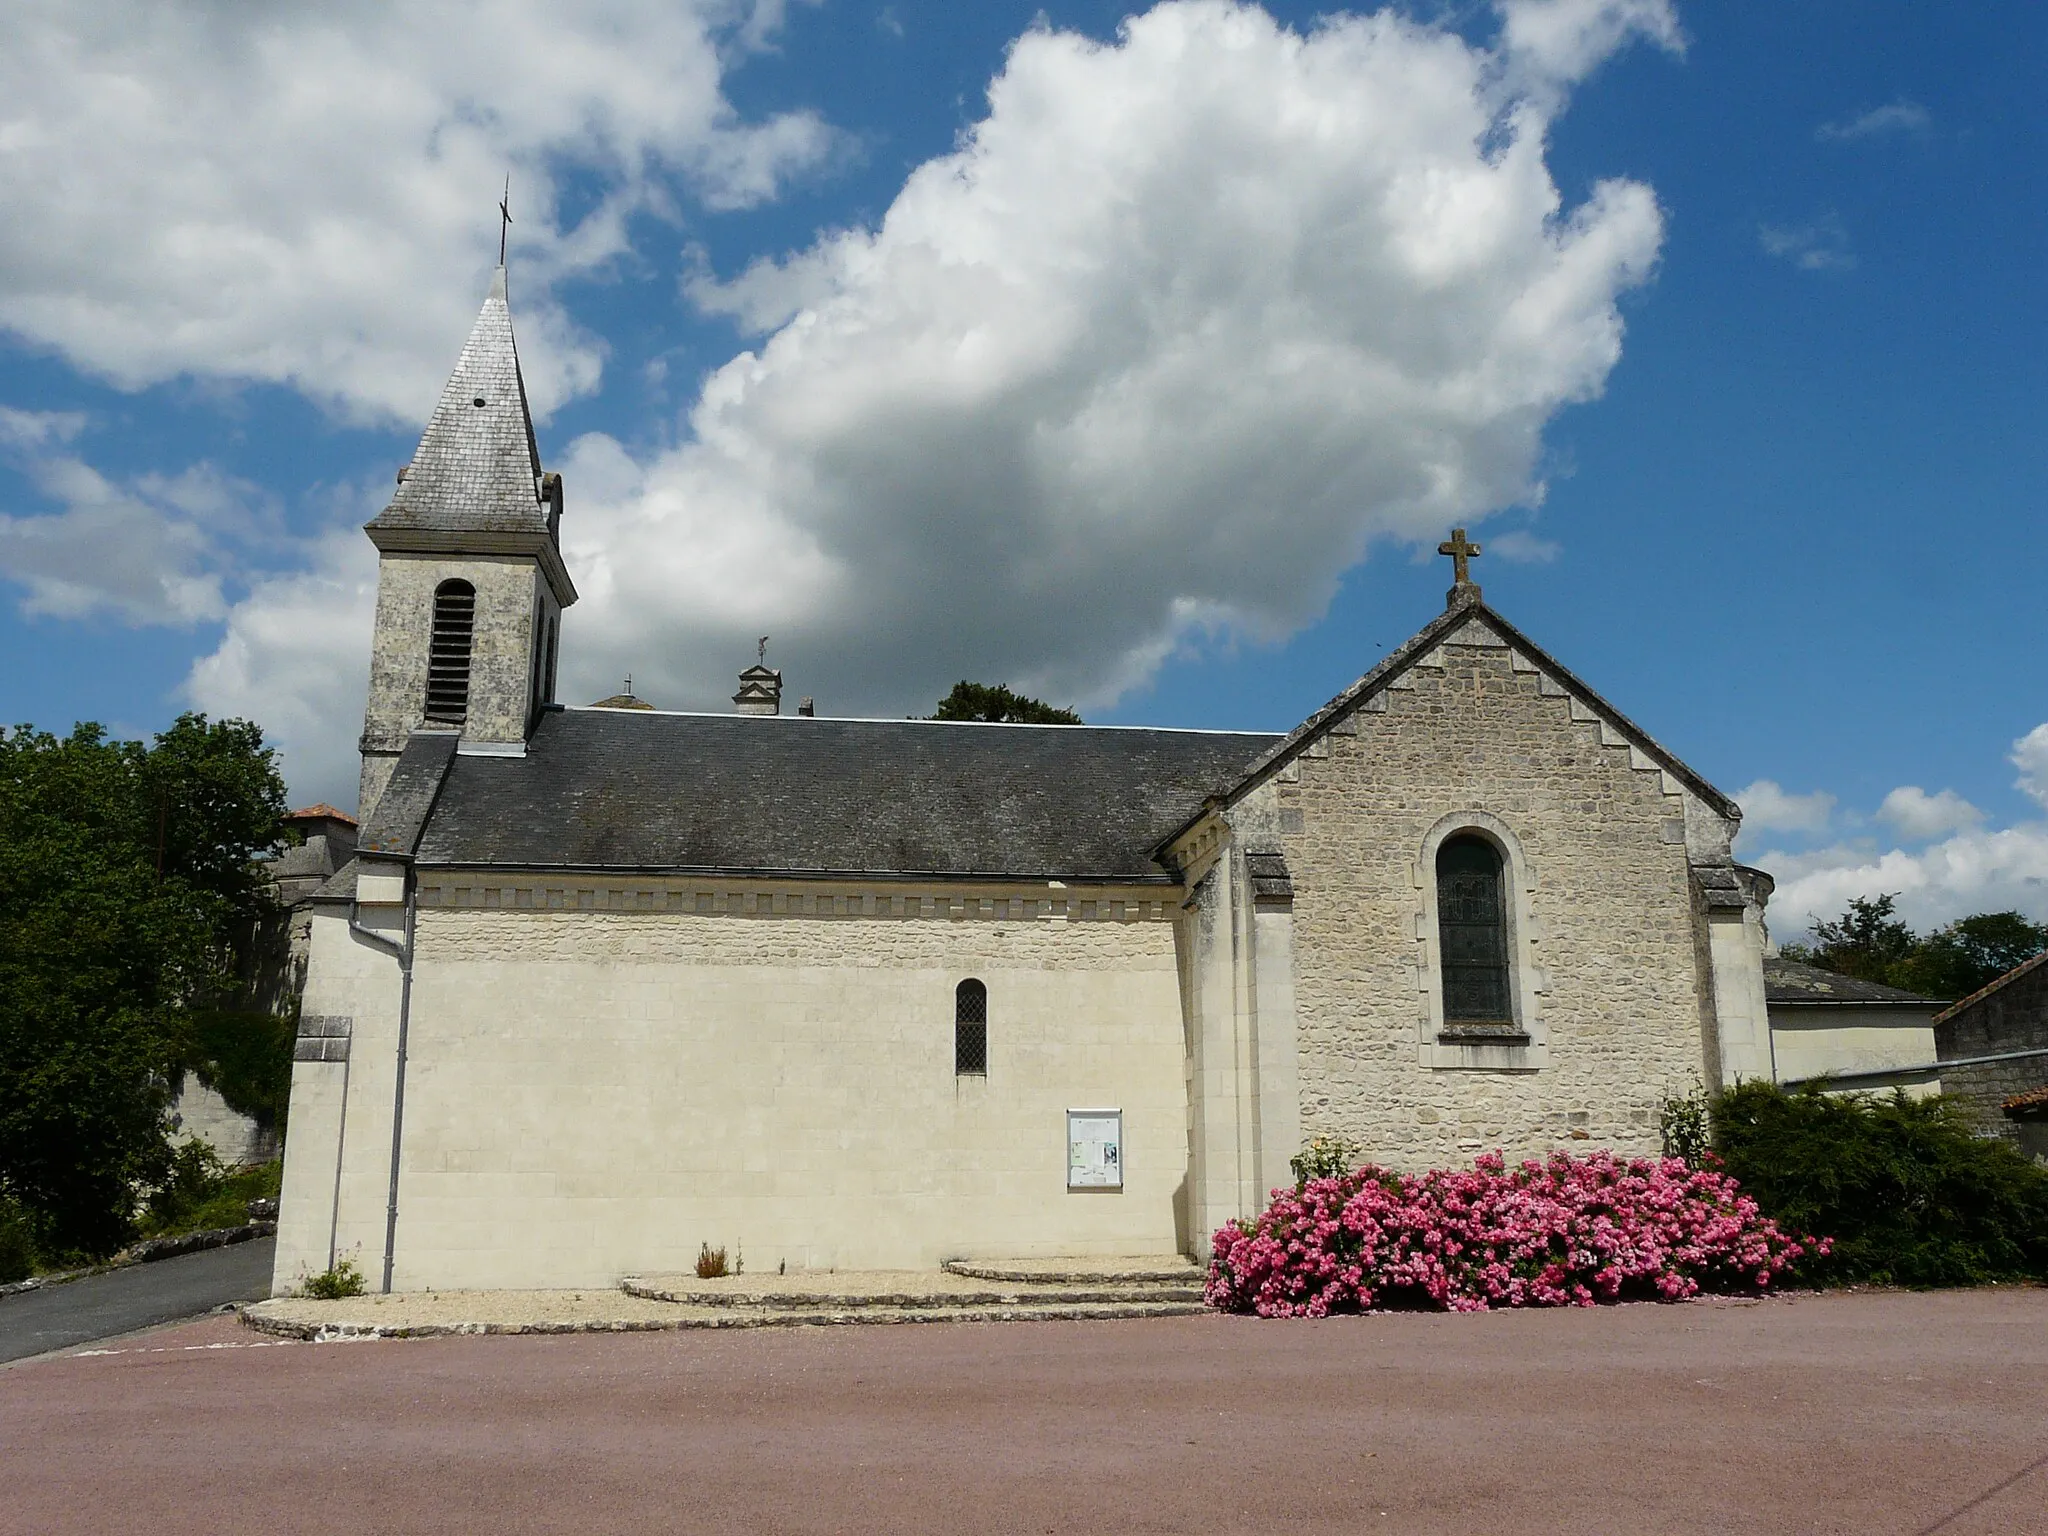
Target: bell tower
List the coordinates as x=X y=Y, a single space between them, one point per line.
x=470 y=580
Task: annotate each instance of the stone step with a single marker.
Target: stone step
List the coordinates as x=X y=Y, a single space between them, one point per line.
x=1121 y=1271
x=325 y=1323
x=917 y=1292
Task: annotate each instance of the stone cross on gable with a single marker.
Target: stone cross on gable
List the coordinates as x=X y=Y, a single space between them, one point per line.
x=1462 y=552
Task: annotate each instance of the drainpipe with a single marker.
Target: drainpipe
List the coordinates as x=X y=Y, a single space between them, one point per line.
x=403 y=955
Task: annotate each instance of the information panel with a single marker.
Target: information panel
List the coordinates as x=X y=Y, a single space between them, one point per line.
x=1095 y=1149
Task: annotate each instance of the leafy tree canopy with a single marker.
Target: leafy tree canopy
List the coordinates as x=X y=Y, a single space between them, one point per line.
x=979 y=701
x=129 y=903
x=1872 y=942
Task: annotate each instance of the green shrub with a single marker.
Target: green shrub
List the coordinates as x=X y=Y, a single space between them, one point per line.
x=1325 y=1157
x=201 y=1195
x=1686 y=1125
x=336 y=1284
x=17 y=1244
x=1909 y=1193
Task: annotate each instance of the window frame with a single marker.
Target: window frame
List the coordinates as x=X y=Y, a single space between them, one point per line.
x=962 y=1025
x=1442 y=1045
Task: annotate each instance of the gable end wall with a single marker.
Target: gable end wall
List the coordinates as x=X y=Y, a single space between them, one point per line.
x=1602 y=834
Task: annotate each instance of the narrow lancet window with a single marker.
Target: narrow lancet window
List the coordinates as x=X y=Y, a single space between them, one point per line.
x=448 y=653
x=1472 y=935
x=970 y=1029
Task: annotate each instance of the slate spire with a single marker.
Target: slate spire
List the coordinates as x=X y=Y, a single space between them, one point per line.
x=477 y=468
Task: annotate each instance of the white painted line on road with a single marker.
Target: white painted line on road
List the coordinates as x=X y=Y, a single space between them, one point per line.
x=169 y=1349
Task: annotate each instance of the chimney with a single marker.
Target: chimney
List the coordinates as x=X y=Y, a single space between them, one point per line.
x=807 y=708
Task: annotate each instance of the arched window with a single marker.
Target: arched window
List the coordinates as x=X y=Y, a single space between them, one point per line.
x=970 y=1029
x=448 y=653
x=1472 y=933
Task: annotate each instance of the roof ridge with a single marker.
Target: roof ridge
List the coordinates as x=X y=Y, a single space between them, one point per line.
x=1991 y=986
x=809 y=720
x=1436 y=632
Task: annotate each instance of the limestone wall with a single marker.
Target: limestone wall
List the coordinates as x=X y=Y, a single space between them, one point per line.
x=591 y=1093
x=2012 y=1019
x=1603 y=926
x=1816 y=1042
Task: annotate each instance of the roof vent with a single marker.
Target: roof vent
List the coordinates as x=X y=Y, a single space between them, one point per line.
x=760 y=691
x=760 y=685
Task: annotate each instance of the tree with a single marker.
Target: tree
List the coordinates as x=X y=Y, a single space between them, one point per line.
x=1956 y=960
x=979 y=701
x=1871 y=942
x=129 y=902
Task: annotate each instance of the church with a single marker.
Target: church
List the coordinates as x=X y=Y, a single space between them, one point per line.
x=602 y=985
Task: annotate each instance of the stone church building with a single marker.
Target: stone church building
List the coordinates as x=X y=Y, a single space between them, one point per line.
x=605 y=984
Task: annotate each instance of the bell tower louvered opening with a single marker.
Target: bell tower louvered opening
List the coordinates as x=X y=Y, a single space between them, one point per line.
x=448 y=653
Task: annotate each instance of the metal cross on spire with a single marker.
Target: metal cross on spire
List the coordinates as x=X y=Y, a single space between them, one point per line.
x=505 y=218
x=1462 y=552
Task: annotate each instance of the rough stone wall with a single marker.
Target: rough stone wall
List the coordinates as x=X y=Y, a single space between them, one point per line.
x=592 y=1093
x=2014 y=1018
x=1617 y=981
x=509 y=601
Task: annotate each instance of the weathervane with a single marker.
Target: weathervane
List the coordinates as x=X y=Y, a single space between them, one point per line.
x=504 y=217
x=761 y=650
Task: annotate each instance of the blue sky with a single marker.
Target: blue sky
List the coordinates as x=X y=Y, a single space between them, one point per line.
x=1789 y=526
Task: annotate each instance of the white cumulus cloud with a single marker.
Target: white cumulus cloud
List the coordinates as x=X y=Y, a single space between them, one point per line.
x=301 y=193
x=1972 y=869
x=295 y=659
x=1894 y=117
x=1184 y=324
x=148 y=549
x=2030 y=756
x=1914 y=813
x=1819 y=245
x=1767 y=807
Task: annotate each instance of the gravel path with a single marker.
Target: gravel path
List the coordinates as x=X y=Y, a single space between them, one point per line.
x=1923 y=1415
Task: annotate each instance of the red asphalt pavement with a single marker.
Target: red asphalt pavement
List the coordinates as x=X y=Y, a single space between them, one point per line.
x=1913 y=1414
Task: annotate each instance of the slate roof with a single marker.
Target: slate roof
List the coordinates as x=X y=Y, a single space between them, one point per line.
x=409 y=795
x=1790 y=982
x=789 y=795
x=477 y=468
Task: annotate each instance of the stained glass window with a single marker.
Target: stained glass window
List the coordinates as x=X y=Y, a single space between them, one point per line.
x=1472 y=932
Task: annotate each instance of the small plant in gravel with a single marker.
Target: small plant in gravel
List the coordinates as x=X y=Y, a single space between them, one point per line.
x=336 y=1284
x=1569 y=1231
x=710 y=1262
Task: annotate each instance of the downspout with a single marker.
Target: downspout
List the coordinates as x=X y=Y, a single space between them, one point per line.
x=403 y=955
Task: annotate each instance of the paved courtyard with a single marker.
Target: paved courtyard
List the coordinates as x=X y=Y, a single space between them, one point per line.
x=1863 y=1413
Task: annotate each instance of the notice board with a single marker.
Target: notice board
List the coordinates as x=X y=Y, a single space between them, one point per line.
x=1095 y=1149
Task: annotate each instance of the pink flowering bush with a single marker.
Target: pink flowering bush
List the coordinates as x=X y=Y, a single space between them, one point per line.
x=1571 y=1231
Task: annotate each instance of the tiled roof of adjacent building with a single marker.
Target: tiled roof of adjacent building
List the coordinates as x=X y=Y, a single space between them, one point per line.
x=626 y=789
x=477 y=468
x=2033 y=1101
x=321 y=812
x=1789 y=981
x=2011 y=976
